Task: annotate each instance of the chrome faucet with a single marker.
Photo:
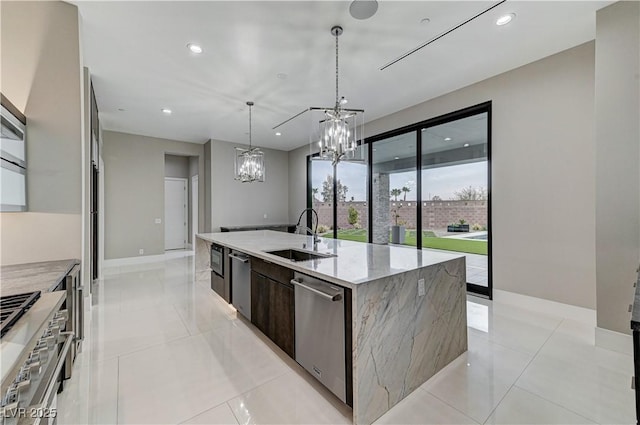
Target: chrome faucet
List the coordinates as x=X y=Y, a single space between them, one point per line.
x=314 y=232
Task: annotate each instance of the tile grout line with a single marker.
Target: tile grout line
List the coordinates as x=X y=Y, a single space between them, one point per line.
x=232 y=412
x=523 y=370
x=200 y=413
x=444 y=401
x=555 y=404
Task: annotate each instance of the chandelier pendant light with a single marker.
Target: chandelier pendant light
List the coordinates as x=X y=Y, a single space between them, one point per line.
x=249 y=163
x=340 y=128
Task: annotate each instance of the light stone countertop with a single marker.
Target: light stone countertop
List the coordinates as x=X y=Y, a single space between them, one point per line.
x=355 y=263
x=30 y=277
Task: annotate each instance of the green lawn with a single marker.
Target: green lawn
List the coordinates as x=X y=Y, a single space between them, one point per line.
x=428 y=241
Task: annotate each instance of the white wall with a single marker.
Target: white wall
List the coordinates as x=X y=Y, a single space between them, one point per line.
x=543 y=171
x=236 y=203
x=617 y=129
x=42 y=76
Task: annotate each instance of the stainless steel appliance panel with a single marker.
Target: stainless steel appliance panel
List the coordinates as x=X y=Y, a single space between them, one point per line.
x=12 y=138
x=319 y=331
x=75 y=324
x=241 y=283
x=217 y=259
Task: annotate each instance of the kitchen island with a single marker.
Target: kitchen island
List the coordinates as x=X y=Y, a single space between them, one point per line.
x=401 y=332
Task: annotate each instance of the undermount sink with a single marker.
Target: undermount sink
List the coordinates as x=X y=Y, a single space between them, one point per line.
x=299 y=254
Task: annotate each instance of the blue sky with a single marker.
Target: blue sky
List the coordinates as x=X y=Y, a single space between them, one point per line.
x=443 y=181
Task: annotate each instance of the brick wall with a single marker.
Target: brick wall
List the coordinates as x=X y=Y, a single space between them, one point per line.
x=435 y=214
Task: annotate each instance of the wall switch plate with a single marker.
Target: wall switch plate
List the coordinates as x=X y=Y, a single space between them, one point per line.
x=421 y=290
x=265 y=216
x=141 y=251
x=158 y=220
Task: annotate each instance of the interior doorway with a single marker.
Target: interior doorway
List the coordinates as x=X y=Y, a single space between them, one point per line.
x=194 y=210
x=175 y=213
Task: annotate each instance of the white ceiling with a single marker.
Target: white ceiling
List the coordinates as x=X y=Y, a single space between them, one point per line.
x=136 y=52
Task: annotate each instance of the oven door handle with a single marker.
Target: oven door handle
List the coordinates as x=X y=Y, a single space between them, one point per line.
x=51 y=385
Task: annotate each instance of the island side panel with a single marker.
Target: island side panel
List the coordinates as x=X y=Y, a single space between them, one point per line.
x=202 y=263
x=400 y=339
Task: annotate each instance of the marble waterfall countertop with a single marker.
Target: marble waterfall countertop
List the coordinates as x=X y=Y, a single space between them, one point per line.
x=354 y=263
x=44 y=276
x=401 y=335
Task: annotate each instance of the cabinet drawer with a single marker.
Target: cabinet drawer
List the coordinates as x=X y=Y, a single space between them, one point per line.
x=273 y=271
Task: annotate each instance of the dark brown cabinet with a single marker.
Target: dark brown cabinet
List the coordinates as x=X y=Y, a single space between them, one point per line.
x=273 y=303
x=281 y=316
x=260 y=305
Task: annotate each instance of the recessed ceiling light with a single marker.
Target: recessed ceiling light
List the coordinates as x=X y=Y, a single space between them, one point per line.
x=425 y=21
x=281 y=76
x=397 y=157
x=446 y=139
x=278 y=134
x=505 y=19
x=166 y=111
x=195 y=48
x=466 y=145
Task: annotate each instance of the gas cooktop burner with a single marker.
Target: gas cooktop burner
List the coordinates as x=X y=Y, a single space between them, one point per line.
x=12 y=307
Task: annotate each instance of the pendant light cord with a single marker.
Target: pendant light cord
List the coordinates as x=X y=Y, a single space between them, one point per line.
x=250 y=105
x=337 y=71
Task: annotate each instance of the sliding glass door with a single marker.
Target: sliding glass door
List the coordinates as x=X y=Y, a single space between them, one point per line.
x=394 y=196
x=455 y=183
x=340 y=198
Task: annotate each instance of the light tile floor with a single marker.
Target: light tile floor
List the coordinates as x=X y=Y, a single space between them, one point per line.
x=161 y=348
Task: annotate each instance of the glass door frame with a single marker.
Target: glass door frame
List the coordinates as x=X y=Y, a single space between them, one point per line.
x=484 y=107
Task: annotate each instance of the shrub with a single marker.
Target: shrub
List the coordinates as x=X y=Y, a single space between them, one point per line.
x=323 y=229
x=476 y=227
x=353 y=216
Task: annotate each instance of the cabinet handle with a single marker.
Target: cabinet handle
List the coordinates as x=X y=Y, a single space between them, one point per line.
x=330 y=297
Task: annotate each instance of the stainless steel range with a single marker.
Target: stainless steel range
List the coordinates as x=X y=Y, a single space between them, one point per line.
x=34 y=347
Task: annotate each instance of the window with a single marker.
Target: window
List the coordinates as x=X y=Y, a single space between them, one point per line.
x=446 y=206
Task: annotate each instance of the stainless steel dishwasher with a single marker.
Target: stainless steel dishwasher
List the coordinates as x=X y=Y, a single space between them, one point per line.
x=241 y=283
x=319 y=329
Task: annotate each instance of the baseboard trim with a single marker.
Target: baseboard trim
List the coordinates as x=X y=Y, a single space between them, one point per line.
x=144 y=259
x=615 y=341
x=129 y=261
x=541 y=305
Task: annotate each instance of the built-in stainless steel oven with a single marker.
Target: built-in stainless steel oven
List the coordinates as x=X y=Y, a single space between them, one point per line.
x=13 y=162
x=217 y=259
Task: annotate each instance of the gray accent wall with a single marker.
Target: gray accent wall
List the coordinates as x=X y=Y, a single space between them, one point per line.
x=235 y=203
x=617 y=94
x=543 y=159
x=42 y=76
x=134 y=191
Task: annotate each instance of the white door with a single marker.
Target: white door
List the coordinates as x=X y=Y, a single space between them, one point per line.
x=175 y=213
x=194 y=210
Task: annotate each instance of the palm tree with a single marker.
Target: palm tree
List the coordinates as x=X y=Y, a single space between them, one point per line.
x=395 y=193
x=314 y=192
x=406 y=190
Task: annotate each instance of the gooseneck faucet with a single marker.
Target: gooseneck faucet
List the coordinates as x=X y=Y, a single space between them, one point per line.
x=314 y=231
